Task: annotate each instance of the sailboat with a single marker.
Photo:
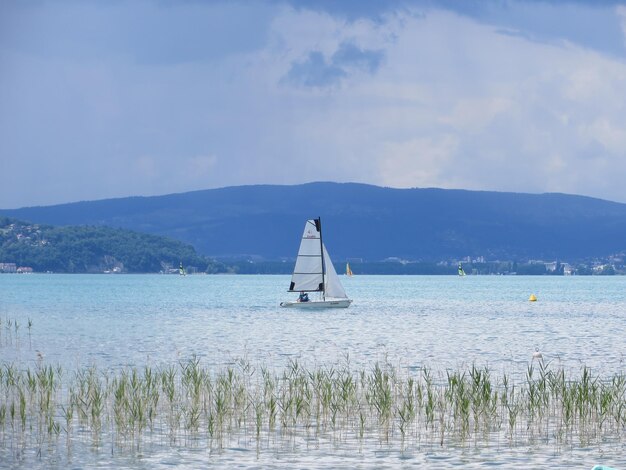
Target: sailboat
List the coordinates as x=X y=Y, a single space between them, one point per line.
x=348 y=270
x=181 y=270
x=314 y=272
x=461 y=272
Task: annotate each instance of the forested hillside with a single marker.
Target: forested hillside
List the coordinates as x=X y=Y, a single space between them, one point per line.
x=83 y=249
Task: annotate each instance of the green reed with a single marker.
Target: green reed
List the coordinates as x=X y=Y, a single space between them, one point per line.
x=193 y=404
x=11 y=329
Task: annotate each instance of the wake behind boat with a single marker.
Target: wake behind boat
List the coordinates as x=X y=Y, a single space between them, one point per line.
x=314 y=272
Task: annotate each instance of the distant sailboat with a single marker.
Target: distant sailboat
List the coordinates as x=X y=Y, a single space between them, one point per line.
x=461 y=272
x=348 y=270
x=314 y=272
x=181 y=270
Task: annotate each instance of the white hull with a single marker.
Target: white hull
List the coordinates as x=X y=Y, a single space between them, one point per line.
x=334 y=303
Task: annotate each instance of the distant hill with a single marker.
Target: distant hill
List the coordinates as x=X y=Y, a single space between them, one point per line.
x=87 y=249
x=362 y=221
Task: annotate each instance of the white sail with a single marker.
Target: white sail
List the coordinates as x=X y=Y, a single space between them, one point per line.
x=308 y=271
x=333 y=287
x=314 y=271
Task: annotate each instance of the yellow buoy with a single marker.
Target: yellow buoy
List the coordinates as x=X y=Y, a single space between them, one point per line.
x=532 y=298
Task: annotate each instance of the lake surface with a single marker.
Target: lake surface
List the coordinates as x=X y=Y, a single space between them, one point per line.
x=439 y=322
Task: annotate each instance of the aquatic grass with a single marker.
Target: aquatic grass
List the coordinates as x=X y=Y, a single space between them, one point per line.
x=192 y=404
x=11 y=337
x=29 y=325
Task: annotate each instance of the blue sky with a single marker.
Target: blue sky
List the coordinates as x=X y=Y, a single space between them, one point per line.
x=110 y=99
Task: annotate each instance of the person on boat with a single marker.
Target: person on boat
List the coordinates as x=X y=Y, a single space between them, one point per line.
x=304 y=297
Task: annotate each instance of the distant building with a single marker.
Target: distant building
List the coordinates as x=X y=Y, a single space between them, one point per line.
x=395 y=259
x=24 y=270
x=565 y=268
x=8 y=268
x=551 y=267
x=603 y=268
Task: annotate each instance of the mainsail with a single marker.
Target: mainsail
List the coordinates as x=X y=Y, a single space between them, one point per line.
x=308 y=273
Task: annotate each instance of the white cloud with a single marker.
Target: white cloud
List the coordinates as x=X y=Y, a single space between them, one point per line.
x=456 y=103
x=425 y=98
x=199 y=167
x=474 y=114
x=146 y=168
x=417 y=162
x=620 y=11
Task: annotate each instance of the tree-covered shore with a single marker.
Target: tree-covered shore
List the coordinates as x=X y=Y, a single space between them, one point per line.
x=93 y=249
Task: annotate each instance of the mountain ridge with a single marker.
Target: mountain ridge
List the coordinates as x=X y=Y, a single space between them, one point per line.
x=360 y=220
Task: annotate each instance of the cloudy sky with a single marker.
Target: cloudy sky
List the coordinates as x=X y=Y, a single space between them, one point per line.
x=103 y=99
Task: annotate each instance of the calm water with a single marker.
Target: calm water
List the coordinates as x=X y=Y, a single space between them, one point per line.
x=411 y=321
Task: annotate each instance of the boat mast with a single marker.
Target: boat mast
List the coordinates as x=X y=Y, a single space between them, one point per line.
x=318 y=222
